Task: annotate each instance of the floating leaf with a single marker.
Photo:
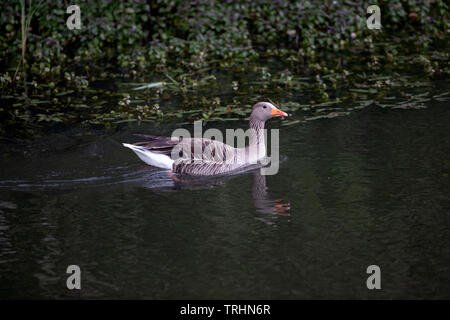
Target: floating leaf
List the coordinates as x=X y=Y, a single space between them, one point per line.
x=151 y=85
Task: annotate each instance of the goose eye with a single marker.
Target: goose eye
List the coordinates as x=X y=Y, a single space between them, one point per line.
x=265 y=107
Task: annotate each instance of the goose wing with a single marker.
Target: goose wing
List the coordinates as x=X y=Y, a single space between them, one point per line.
x=158 y=144
x=189 y=149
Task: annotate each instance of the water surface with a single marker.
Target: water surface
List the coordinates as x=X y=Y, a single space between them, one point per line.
x=368 y=188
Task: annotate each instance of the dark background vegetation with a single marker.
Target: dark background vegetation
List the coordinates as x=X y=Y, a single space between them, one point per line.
x=181 y=43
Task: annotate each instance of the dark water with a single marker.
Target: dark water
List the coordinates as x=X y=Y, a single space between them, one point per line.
x=370 y=188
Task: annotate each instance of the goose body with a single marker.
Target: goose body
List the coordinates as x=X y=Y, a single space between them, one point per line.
x=199 y=156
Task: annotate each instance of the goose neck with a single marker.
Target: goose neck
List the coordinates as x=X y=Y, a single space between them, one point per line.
x=256 y=131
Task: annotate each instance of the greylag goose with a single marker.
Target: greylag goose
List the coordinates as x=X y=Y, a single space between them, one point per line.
x=200 y=156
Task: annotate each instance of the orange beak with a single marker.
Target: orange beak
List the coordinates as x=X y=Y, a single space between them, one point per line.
x=278 y=113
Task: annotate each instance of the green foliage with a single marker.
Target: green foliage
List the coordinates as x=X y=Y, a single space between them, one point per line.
x=138 y=34
x=180 y=39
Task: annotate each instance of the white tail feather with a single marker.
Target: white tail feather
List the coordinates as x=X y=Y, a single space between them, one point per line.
x=151 y=158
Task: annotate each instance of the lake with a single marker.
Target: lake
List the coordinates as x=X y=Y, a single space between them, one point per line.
x=368 y=186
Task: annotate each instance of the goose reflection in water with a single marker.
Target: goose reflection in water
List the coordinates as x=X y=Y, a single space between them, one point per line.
x=268 y=206
x=262 y=200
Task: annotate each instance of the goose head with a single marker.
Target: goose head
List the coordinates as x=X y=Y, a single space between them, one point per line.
x=263 y=111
